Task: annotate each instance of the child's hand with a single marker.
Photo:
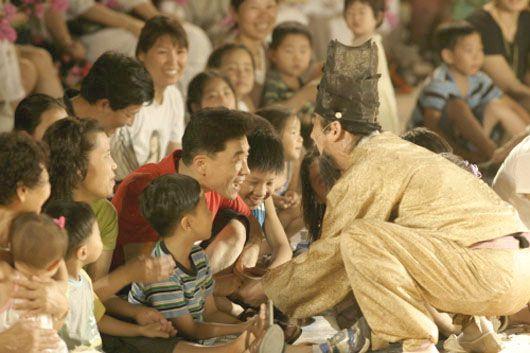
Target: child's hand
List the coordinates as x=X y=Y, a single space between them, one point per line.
x=293 y=197
x=281 y=202
x=151 y=269
x=154 y=330
x=145 y=316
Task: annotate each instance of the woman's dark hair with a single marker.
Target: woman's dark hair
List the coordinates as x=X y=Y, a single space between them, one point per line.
x=197 y=85
x=216 y=57
x=313 y=211
x=71 y=141
x=378 y=7
x=157 y=27
x=284 y=29
x=428 y=139
x=235 y=4
x=29 y=111
x=210 y=129
x=79 y=221
x=123 y=80
x=277 y=115
x=22 y=161
x=266 y=151
x=167 y=199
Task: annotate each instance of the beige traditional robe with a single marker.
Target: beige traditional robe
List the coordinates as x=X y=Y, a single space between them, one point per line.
x=397 y=232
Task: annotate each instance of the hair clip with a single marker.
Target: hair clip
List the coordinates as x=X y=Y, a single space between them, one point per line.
x=60 y=222
x=338 y=115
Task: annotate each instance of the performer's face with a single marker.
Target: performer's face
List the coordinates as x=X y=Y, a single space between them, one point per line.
x=318 y=134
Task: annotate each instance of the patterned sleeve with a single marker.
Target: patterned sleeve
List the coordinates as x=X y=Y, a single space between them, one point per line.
x=209 y=282
x=435 y=95
x=166 y=297
x=489 y=90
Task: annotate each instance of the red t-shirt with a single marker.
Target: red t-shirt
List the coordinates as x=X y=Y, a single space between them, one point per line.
x=133 y=228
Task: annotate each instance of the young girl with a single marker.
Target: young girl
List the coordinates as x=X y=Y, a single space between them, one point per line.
x=236 y=62
x=287 y=199
x=255 y=20
x=363 y=17
x=38 y=246
x=210 y=89
x=35 y=113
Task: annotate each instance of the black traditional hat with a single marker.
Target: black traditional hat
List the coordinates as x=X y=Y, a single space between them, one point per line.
x=348 y=89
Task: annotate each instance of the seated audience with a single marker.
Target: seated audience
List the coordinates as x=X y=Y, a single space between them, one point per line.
x=503 y=25
x=25 y=188
x=176 y=208
x=236 y=62
x=210 y=89
x=363 y=18
x=113 y=92
x=157 y=128
x=461 y=103
x=255 y=20
x=35 y=113
x=88 y=316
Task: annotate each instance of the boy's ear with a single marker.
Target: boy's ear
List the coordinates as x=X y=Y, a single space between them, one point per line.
x=185 y=223
x=141 y=57
x=54 y=265
x=82 y=253
x=103 y=104
x=447 y=56
x=22 y=192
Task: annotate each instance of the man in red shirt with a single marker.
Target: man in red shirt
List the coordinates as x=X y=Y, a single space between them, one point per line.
x=215 y=151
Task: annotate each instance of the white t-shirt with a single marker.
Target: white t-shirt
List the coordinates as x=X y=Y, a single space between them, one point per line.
x=156 y=125
x=513 y=180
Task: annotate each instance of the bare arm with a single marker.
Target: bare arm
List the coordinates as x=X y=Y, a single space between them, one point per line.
x=146 y=10
x=115 y=327
x=499 y=70
x=105 y=16
x=227 y=246
x=212 y=313
x=276 y=237
x=308 y=93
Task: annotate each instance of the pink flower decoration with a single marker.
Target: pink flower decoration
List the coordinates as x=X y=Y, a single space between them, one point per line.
x=113 y=4
x=60 y=5
x=39 y=10
x=28 y=2
x=60 y=222
x=7 y=32
x=228 y=21
x=182 y=2
x=9 y=11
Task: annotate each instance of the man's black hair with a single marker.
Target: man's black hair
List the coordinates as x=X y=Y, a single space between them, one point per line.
x=448 y=34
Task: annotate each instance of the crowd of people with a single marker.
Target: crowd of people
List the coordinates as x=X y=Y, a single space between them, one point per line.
x=191 y=177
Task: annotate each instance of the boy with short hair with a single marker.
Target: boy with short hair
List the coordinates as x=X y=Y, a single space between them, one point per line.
x=176 y=208
x=158 y=128
x=113 y=92
x=290 y=54
x=460 y=102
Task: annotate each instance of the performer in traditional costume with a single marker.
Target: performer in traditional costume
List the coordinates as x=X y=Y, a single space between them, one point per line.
x=405 y=230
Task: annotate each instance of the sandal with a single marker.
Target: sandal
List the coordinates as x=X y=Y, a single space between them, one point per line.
x=478 y=336
x=352 y=340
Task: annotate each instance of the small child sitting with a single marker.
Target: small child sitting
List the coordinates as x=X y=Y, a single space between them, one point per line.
x=210 y=89
x=86 y=316
x=461 y=103
x=287 y=198
x=363 y=18
x=236 y=62
x=176 y=208
x=38 y=246
x=290 y=55
x=35 y=113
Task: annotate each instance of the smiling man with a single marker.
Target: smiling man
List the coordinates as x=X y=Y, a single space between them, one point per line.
x=112 y=93
x=215 y=151
x=158 y=128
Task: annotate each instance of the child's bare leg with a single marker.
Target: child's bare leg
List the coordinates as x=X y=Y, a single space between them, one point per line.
x=462 y=117
x=500 y=110
x=47 y=78
x=518 y=109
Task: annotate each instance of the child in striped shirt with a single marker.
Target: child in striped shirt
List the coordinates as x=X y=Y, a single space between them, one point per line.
x=176 y=208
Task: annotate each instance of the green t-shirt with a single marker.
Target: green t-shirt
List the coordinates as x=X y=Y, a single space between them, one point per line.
x=107 y=219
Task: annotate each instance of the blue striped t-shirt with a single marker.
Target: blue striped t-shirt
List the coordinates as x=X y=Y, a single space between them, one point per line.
x=183 y=293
